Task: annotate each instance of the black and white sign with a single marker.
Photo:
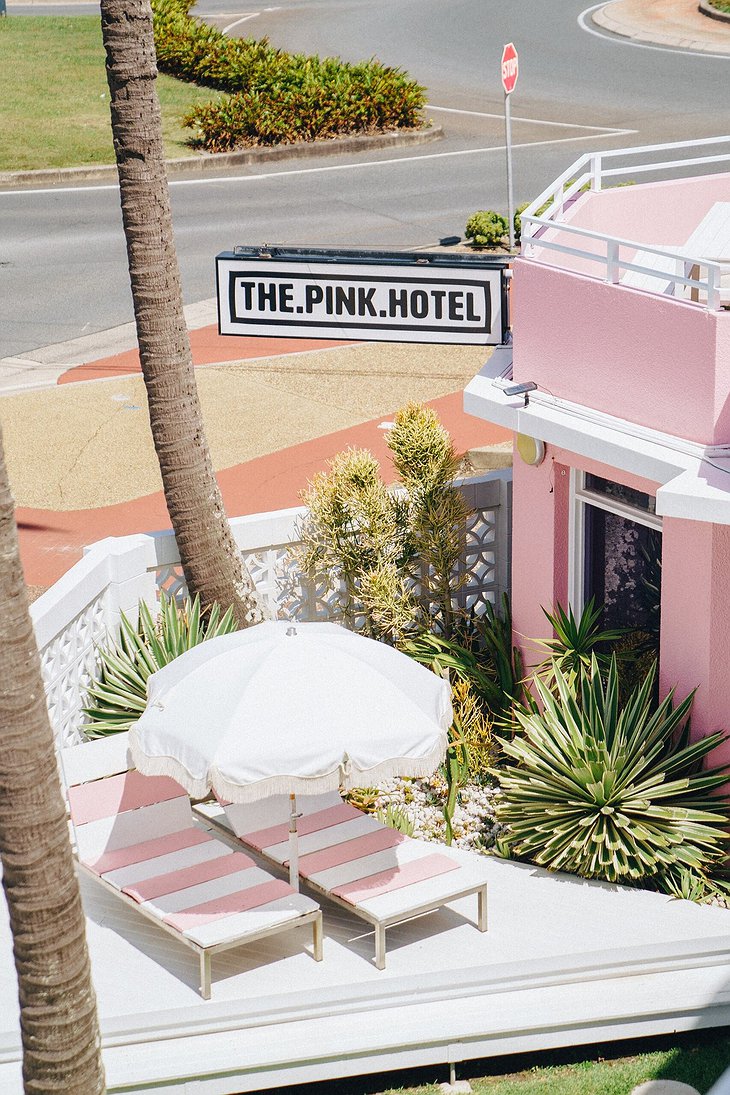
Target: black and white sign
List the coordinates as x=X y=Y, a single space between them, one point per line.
x=388 y=302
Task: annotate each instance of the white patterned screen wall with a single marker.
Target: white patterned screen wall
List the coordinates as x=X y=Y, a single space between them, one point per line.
x=68 y=665
x=82 y=610
x=290 y=595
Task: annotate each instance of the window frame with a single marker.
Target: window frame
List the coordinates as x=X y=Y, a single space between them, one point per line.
x=580 y=497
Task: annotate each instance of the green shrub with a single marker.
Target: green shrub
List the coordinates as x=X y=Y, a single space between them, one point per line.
x=577 y=642
x=518 y=220
x=119 y=696
x=486 y=228
x=278 y=96
x=611 y=791
x=395 y=817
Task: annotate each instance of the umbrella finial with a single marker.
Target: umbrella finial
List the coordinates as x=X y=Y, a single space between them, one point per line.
x=291 y=631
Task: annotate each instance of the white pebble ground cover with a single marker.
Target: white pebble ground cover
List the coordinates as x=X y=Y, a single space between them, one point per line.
x=422 y=800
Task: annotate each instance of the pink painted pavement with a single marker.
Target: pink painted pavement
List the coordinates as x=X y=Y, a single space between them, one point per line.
x=51 y=541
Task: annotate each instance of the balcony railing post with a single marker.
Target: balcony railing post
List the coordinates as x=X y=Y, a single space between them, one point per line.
x=612 y=261
x=596 y=168
x=713 y=287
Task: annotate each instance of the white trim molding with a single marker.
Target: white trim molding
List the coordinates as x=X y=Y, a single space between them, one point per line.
x=694 y=479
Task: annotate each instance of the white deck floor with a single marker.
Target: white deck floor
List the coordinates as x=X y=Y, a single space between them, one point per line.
x=564 y=962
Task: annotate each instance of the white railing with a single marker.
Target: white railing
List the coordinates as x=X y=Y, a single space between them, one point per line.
x=81 y=611
x=679 y=269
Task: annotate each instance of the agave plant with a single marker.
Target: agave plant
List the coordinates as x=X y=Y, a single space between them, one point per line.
x=611 y=791
x=578 y=641
x=482 y=654
x=395 y=817
x=118 y=697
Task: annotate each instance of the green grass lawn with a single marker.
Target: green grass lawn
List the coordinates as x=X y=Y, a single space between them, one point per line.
x=54 y=100
x=694 y=1059
x=697 y=1058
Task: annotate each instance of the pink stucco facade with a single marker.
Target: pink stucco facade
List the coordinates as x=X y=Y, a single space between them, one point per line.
x=661 y=363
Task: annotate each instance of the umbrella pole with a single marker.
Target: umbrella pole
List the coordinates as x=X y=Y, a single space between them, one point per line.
x=293 y=844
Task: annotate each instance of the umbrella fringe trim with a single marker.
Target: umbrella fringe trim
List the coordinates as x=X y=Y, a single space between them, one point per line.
x=344 y=776
x=166 y=766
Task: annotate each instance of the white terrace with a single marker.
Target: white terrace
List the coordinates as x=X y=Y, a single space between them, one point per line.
x=564 y=961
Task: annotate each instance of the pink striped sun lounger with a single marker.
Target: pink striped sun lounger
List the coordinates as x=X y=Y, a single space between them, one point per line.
x=137 y=836
x=377 y=873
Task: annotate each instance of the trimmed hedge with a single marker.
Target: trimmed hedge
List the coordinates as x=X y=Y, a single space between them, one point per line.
x=277 y=96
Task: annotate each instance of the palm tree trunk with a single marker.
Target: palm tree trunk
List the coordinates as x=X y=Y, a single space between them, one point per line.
x=59 y=1028
x=211 y=562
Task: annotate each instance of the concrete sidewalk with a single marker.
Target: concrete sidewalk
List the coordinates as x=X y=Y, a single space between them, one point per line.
x=80 y=455
x=677 y=24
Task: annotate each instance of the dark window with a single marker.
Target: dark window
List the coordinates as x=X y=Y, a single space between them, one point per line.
x=628 y=495
x=623 y=568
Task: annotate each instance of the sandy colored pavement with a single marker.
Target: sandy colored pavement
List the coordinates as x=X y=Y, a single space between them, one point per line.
x=82 y=446
x=673 y=23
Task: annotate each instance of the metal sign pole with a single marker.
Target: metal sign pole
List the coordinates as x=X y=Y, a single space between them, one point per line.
x=510 y=194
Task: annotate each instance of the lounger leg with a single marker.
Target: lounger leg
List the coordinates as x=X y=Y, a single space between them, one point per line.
x=482 y=909
x=317 y=938
x=205 y=975
x=379 y=947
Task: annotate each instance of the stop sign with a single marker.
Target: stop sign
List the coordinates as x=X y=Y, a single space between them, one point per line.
x=509 y=68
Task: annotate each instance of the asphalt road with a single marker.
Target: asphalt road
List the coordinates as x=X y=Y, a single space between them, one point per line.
x=62 y=260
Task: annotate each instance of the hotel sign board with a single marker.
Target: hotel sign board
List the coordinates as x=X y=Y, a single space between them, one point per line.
x=362 y=296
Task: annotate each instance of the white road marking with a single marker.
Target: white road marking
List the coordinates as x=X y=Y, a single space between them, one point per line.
x=621 y=41
x=243 y=19
x=218 y=179
x=532 y=121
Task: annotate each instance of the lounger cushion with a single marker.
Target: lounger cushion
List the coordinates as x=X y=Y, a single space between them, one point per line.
x=116 y=795
x=141 y=854
x=137 y=834
x=356 y=858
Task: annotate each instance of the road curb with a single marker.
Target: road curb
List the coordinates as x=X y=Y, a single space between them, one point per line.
x=213 y=163
x=691 y=33
x=714 y=13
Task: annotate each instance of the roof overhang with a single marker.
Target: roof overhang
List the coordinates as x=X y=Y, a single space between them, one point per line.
x=694 y=480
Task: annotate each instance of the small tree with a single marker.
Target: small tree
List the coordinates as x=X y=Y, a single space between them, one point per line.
x=392 y=554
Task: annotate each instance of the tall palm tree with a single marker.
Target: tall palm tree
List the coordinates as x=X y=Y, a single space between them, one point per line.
x=210 y=559
x=59 y=1028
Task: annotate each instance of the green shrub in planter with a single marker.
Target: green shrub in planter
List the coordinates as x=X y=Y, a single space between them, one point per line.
x=485 y=228
x=611 y=791
x=278 y=96
x=119 y=696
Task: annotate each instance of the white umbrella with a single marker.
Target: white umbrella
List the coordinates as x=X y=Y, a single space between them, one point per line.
x=291 y=708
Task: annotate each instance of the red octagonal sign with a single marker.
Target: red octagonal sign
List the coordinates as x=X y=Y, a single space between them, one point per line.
x=509 y=68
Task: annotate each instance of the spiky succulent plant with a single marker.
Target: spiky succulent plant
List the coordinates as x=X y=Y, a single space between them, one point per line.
x=611 y=791
x=119 y=695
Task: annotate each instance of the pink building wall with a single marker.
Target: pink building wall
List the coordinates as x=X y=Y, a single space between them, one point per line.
x=695 y=636
x=654 y=214
x=659 y=362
